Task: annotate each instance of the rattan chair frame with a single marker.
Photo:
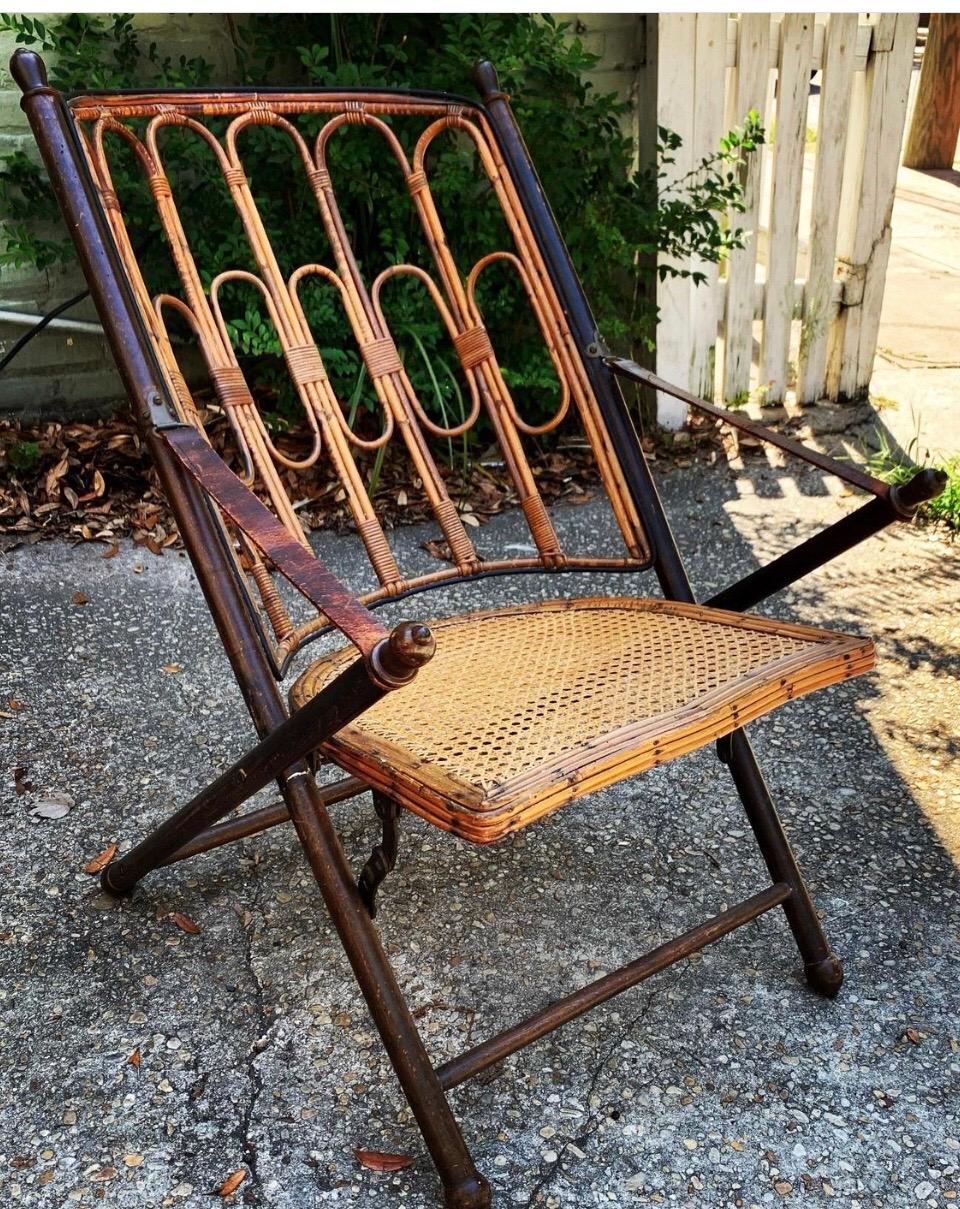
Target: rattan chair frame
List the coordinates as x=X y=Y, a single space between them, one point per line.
x=201 y=490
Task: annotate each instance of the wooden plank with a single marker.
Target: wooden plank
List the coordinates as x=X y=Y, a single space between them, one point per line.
x=818 y=305
x=796 y=47
x=861 y=47
x=864 y=243
x=932 y=142
x=676 y=85
x=752 y=72
x=709 y=107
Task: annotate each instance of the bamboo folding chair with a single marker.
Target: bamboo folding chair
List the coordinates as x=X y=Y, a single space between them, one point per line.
x=479 y=723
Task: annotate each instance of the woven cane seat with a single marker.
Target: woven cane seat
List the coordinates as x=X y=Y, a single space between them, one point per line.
x=524 y=709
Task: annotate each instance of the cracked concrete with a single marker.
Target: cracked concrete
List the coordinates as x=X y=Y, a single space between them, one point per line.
x=722 y=1082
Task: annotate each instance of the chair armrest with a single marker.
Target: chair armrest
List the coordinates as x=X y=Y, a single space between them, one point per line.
x=295 y=562
x=849 y=473
x=893 y=502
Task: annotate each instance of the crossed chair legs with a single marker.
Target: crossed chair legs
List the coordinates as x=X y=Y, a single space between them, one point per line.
x=350 y=905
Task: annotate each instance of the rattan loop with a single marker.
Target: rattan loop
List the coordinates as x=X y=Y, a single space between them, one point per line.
x=236 y=178
x=416 y=182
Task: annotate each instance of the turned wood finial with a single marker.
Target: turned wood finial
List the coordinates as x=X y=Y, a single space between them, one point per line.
x=28 y=70
x=396 y=659
x=412 y=643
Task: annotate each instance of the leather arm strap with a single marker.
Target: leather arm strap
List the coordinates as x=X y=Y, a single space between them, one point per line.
x=294 y=561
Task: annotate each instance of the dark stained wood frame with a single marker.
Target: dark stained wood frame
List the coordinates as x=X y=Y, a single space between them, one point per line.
x=194 y=478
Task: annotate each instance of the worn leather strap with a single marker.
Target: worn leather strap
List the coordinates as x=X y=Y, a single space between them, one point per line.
x=294 y=561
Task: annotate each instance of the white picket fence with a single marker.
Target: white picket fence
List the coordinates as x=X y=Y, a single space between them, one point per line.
x=798 y=308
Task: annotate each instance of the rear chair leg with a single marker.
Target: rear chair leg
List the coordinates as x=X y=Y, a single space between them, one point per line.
x=821 y=965
x=463 y=1186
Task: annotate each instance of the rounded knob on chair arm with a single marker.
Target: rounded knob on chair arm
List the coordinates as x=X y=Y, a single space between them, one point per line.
x=395 y=660
x=925 y=485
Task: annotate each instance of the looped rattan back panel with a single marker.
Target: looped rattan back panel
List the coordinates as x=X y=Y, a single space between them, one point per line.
x=141 y=124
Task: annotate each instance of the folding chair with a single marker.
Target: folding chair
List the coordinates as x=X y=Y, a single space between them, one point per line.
x=480 y=723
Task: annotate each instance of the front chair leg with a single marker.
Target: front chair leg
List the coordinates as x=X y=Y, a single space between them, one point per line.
x=821 y=965
x=463 y=1186
x=384 y=856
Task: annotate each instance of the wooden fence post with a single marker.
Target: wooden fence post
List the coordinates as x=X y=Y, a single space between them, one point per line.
x=935 y=125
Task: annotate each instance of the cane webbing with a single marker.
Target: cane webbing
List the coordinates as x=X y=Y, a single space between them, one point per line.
x=524 y=709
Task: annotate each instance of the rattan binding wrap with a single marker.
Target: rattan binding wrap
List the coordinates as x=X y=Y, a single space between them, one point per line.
x=525 y=709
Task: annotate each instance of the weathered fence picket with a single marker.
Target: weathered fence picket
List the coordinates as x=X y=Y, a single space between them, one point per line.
x=749 y=88
x=798 y=308
x=819 y=302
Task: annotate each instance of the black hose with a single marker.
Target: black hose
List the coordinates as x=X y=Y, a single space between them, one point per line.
x=43 y=320
x=38 y=327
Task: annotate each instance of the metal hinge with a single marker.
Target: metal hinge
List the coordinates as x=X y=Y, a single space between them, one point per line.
x=161 y=410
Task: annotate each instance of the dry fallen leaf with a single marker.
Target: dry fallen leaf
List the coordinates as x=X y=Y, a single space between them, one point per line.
x=113 y=551
x=101 y=861
x=184 y=923
x=374 y=1160
x=80 y=598
x=13 y=703
x=132 y=1160
x=172 y=668
x=54 y=806
x=20 y=782
x=232 y=1183
x=134 y=1059
x=104 y=1174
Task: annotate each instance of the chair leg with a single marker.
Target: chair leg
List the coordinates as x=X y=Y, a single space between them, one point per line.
x=463 y=1186
x=821 y=965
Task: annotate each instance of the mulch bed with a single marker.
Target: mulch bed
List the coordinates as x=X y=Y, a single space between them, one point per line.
x=94 y=482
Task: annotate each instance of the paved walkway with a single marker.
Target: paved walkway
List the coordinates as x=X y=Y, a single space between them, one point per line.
x=918 y=357
x=722 y=1082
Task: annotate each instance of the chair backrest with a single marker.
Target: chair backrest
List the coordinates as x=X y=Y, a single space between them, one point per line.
x=142 y=123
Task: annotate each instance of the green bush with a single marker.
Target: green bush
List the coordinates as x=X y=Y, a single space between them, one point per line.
x=614 y=218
